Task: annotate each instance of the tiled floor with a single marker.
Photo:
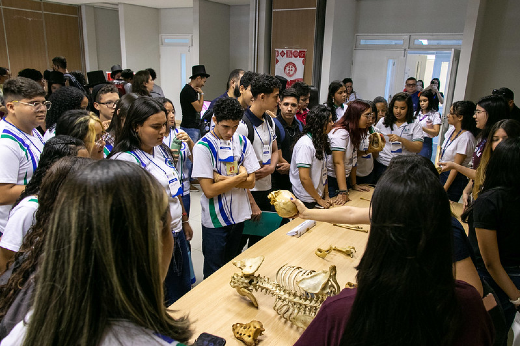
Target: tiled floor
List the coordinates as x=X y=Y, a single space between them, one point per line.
x=196 y=242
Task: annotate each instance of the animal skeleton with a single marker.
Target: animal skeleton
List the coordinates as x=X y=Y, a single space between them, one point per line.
x=298 y=292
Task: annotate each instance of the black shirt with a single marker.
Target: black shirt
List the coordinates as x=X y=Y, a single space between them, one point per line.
x=282 y=181
x=190 y=117
x=496 y=210
x=515 y=113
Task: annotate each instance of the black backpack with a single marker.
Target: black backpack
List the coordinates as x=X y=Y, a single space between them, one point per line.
x=205 y=122
x=250 y=131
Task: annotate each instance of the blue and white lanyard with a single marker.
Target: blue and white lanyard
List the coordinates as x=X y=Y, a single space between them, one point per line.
x=37 y=135
x=151 y=160
x=448 y=142
x=268 y=131
x=402 y=130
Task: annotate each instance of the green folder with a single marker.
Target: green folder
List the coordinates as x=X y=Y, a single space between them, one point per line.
x=269 y=222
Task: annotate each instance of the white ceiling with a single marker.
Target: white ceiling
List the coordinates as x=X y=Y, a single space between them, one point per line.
x=148 y=3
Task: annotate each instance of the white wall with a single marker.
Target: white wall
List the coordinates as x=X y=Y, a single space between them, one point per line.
x=239 y=37
x=176 y=20
x=407 y=17
x=214 y=45
x=139 y=27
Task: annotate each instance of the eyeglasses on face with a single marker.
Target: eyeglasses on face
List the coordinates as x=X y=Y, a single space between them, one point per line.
x=109 y=104
x=36 y=104
x=478 y=111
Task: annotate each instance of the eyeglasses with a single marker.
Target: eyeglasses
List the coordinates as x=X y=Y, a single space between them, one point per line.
x=36 y=104
x=368 y=116
x=101 y=141
x=109 y=104
x=478 y=111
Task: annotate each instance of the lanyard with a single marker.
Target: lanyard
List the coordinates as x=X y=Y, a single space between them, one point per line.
x=424 y=116
x=37 y=135
x=448 y=142
x=402 y=130
x=268 y=131
x=150 y=160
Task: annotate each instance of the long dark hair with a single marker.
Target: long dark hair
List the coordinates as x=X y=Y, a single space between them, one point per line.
x=496 y=108
x=429 y=95
x=333 y=88
x=140 y=78
x=108 y=209
x=54 y=149
x=350 y=121
x=32 y=246
x=402 y=278
x=466 y=109
x=140 y=110
x=317 y=119
x=64 y=99
x=390 y=119
x=120 y=113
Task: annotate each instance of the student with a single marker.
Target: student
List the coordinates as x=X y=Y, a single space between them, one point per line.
x=64 y=99
x=308 y=172
x=438 y=97
x=16 y=296
x=232 y=86
x=304 y=94
x=118 y=120
x=288 y=128
x=336 y=99
x=366 y=154
x=381 y=106
x=59 y=64
x=411 y=89
x=400 y=266
x=85 y=126
x=142 y=83
x=430 y=122
x=141 y=143
x=184 y=155
x=345 y=139
x=402 y=134
x=20 y=143
x=351 y=95
x=105 y=99
x=21 y=217
x=225 y=165
x=246 y=98
x=509 y=96
x=459 y=143
x=106 y=199
x=156 y=90
x=259 y=128
x=495 y=235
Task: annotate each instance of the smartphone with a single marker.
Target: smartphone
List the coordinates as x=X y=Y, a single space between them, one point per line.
x=206 y=339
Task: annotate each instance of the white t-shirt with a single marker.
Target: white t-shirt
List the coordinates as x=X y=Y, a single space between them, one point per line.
x=464 y=144
x=340 y=110
x=118 y=333
x=21 y=218
x=163 y=170
x=340 y=141
x=184 y=156
x=50 y=133
x=233 y=206
x=430 y=118
x=410 y=131
x=354 y=96
x=365 y=163
x=19 y=157
x=264 y=137
x=304 y=155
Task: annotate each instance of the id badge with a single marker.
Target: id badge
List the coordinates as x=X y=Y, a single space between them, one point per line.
x=266 y=154
x=231 y=168
x=175 y=185
x=225 y=152
x=324 y=174
x=396 y=147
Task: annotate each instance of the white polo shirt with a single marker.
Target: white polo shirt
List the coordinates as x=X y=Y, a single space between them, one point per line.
x=365 y=163
x=410 y=131
x=340 y=110
x=264 y=136
x=184 y=156
x=164 y=171
x=233 y=206
x=19 y=157
x=21 y=218
x=430 y=118
x=304 y=155
x=464 y=144
x=340 y=141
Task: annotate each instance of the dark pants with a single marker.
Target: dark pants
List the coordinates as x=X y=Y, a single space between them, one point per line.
x=219 y=246
x=379 y=170
x=427 y=148
x=263 y=203
x=457 y=186
x=177 y=282
x=368 y=179
x=334 y=187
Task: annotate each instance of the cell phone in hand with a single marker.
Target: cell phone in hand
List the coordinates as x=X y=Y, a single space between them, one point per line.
x=206 y=339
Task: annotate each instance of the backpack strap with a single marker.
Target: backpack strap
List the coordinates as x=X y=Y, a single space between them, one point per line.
x=250 y=130
x=279 y=128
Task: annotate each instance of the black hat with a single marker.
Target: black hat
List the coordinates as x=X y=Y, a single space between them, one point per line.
x=56 y=77
x=95 y=78
x=115 y=69
x=198 y=70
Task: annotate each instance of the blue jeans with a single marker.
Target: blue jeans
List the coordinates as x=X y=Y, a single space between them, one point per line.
x=334 y=187
x=427 y=148
x=195 y=136
x=379 y=170
x=177 y=282
x=186 y=200
x=219 y=246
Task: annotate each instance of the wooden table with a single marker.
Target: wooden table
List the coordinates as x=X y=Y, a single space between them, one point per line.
x=214 y=306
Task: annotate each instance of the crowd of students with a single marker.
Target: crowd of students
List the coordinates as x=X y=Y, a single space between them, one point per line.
x=102 y=199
